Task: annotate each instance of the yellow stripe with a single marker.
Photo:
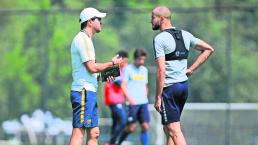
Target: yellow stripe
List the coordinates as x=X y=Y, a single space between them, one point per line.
x=138 y=77
x=82 y=105
x=86 y=46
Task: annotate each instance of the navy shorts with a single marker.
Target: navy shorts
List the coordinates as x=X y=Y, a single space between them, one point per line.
x=85 y=109
x=173 y=101
x=138 y=112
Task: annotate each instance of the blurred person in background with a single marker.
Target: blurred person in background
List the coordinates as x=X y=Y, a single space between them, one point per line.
x=84 y=86
x=135 y=87
x=171 y=47
x=115 y=99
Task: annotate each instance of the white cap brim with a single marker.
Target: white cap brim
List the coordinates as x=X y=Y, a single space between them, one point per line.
x=101 y=15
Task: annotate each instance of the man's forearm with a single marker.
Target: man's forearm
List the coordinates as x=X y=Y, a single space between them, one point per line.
x=147 y=90
x=103 y=66
x=124 y=89
x=206 y=50
x=98 y=67
x=160 y=82
x=160 y=78
x=200 y=60
x=126 y=94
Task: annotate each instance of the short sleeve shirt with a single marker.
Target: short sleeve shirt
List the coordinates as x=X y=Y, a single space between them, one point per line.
x=163 y=44
x=137 y=79
x=82 y=50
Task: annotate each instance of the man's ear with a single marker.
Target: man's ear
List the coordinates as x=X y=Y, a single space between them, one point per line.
x=162 y=19
x=89 y=22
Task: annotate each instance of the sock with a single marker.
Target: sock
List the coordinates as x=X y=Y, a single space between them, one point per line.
x=144 y=137
x=123 y=136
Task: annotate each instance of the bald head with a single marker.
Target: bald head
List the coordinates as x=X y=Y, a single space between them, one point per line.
x=162 y=11
x=161 y=18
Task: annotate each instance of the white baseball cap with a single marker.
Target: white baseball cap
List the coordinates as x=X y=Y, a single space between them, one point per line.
x=89 y=13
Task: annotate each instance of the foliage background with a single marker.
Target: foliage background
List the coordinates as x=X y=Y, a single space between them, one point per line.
x=35 y=38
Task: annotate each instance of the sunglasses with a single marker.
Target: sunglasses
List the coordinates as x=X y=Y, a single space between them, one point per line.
x=94 y=18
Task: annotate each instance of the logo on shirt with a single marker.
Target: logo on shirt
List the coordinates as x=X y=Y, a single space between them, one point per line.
x=177 y=53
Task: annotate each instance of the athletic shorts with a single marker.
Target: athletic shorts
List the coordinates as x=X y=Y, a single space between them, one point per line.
x=173 y=101
x=138 y=113
x=85 y=109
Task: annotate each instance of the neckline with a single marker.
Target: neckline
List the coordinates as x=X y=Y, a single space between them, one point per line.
x=169 y=28
x=85 y=32
x=138 y=68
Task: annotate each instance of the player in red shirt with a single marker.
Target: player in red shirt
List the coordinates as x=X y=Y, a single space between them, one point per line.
x=115 y=99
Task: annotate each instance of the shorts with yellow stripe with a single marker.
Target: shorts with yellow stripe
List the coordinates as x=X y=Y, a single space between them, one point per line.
x=85 y=109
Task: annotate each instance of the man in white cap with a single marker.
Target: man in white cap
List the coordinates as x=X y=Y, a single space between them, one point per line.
x=84 y=86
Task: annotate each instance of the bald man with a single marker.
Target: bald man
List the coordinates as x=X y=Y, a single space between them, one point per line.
x=171 y=47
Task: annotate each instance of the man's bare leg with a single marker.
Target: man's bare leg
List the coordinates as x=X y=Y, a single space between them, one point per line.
x=92 y=136
x=169 y=139
x=77 y=136
x=174 y=131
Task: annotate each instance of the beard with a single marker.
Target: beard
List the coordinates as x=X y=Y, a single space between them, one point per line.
x=98 y=30
x=155 y=27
